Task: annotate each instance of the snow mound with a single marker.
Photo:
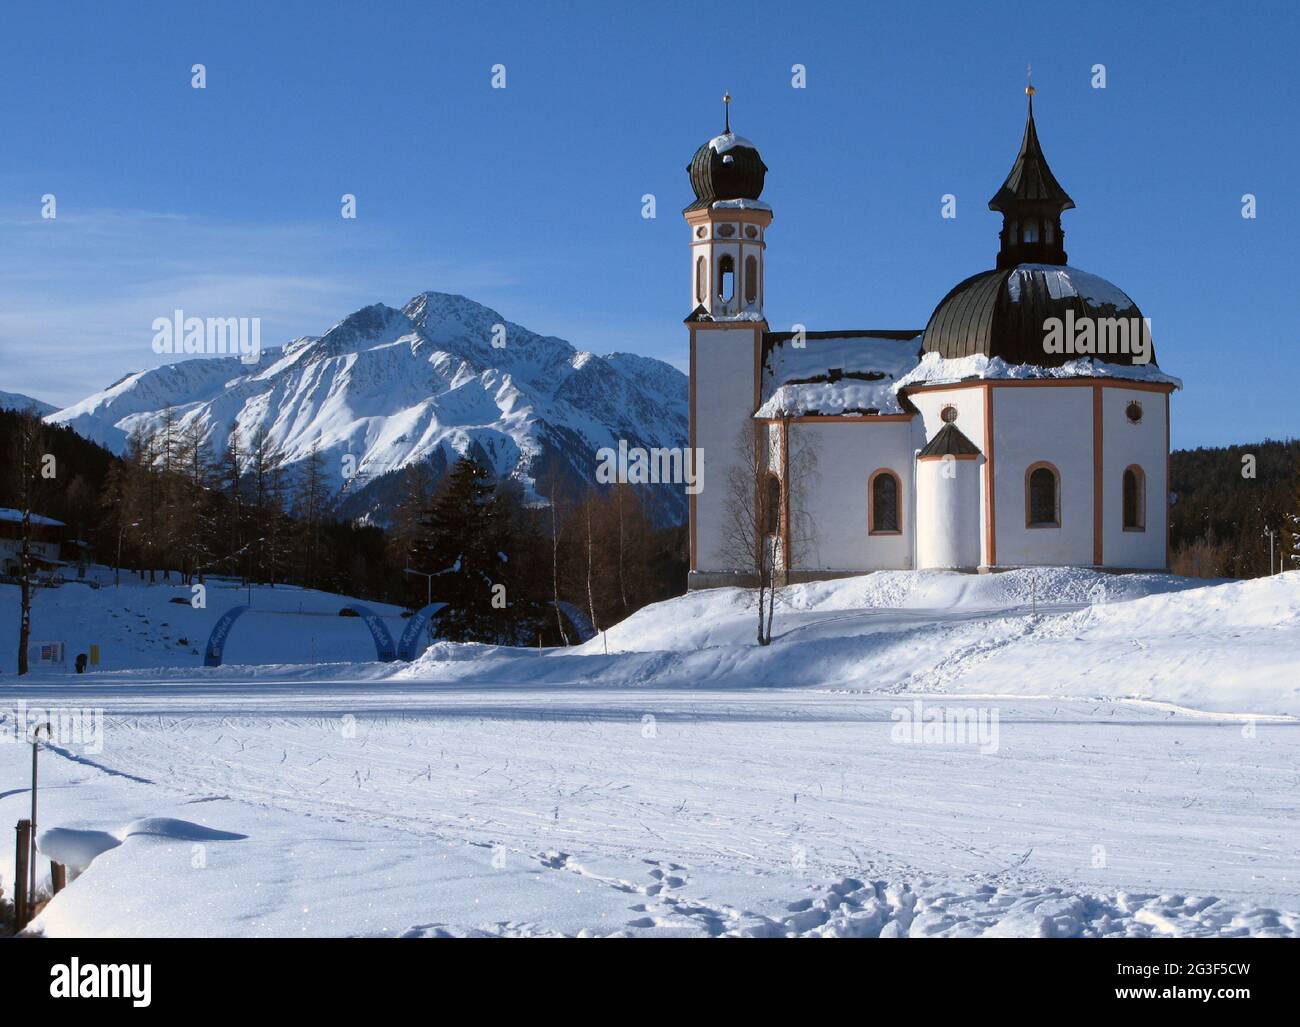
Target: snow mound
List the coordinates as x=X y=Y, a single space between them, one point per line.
x=709 y=617
x=76 y=849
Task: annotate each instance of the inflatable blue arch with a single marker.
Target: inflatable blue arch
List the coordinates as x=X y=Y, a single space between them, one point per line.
x=384 y=650
x=408 y=648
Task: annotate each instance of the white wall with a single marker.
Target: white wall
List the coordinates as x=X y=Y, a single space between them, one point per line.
x=724 y=405
x=970 y=421
x=847 y=454
x=948 y=514
x=1051 y=423
x=1144 y=444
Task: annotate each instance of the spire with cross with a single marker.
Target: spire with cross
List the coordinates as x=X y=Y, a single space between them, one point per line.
x=1031 y=202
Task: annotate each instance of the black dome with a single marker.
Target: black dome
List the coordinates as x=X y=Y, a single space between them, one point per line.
x=727 y=167
x=1001 y=313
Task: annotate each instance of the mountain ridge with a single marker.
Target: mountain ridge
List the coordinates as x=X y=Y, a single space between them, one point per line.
x=392 y=386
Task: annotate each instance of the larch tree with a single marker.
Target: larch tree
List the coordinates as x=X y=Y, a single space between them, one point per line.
x=27 y=456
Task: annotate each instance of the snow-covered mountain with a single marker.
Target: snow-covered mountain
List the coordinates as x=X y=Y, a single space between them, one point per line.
x=18 y=401
x=424 y=383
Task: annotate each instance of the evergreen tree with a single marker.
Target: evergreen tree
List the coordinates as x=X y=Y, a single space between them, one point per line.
x=463 y=544
x=406 y=532
x=1291 y=529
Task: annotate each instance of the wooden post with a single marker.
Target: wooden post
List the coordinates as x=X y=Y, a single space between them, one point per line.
x=58 y=877
x=21 y=899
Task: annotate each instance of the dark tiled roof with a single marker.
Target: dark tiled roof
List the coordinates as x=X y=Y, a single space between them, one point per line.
x=949 y=441
x=1030 y=180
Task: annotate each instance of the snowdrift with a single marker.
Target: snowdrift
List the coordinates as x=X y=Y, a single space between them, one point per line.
x=1227 y=647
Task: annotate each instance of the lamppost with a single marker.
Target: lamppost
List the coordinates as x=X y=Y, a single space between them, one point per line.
x=117 y=568
x=428 y=581
x=31 y=859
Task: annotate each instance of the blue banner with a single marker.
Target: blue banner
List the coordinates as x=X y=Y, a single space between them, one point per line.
x=378 y=630
x=410 y=646
x=220 y=632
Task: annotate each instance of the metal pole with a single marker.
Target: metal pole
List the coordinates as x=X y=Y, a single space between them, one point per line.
x=31 y=863
x=21 y=851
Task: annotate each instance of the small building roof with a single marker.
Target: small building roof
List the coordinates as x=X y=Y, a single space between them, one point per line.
x=949 y=441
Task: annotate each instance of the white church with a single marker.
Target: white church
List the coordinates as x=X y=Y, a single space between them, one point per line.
x=979 y=443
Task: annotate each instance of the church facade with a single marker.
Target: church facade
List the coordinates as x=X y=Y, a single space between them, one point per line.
x=1026 y=425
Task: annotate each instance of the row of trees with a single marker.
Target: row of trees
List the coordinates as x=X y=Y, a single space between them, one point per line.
x=1235 y=509
x=512 y=570
x=171 y=506
x=517 y=572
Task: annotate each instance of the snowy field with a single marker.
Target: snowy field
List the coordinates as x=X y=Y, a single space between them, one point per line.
x=1121 y=757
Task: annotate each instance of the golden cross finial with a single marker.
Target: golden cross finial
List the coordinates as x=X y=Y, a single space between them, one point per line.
x=1029 y=79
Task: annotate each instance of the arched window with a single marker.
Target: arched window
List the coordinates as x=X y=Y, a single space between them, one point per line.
x=751 y=279
x=885 y=503
x=1042 y=496
x=1135 y=499
x=726 y=277
x=771 y=504
x=701 y=280
x=1031 y=231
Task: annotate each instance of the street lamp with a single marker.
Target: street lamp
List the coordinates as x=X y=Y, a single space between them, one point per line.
x=117 y=568
x=1270 y=533
x=428 y=581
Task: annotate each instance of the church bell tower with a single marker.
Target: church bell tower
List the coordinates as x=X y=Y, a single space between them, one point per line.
x=728 y=225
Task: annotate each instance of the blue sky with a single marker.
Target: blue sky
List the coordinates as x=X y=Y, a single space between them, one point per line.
x=225 y=201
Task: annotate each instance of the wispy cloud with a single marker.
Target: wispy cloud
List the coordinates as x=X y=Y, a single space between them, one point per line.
x=78 y=294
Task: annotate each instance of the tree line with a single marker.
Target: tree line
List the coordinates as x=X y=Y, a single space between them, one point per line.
x=1226 y=501
x=512 y=568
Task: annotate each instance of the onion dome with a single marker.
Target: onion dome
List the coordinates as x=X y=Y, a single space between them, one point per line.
x=1002 y=313
x=727 y=167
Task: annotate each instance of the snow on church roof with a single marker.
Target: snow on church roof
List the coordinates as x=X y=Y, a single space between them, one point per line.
x=935 y=369
x=835 y=373
x=862 y=373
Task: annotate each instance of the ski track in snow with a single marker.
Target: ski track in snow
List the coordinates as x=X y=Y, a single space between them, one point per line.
x=483 y=791
x=763 y=815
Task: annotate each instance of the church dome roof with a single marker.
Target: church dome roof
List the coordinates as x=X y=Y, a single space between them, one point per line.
x=1001 y=313
x=727 y=167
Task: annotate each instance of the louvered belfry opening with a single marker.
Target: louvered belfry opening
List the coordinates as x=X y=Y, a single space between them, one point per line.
x=1031 y=202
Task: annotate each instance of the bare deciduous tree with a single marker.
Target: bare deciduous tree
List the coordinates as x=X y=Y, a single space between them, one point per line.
x=760 y=538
